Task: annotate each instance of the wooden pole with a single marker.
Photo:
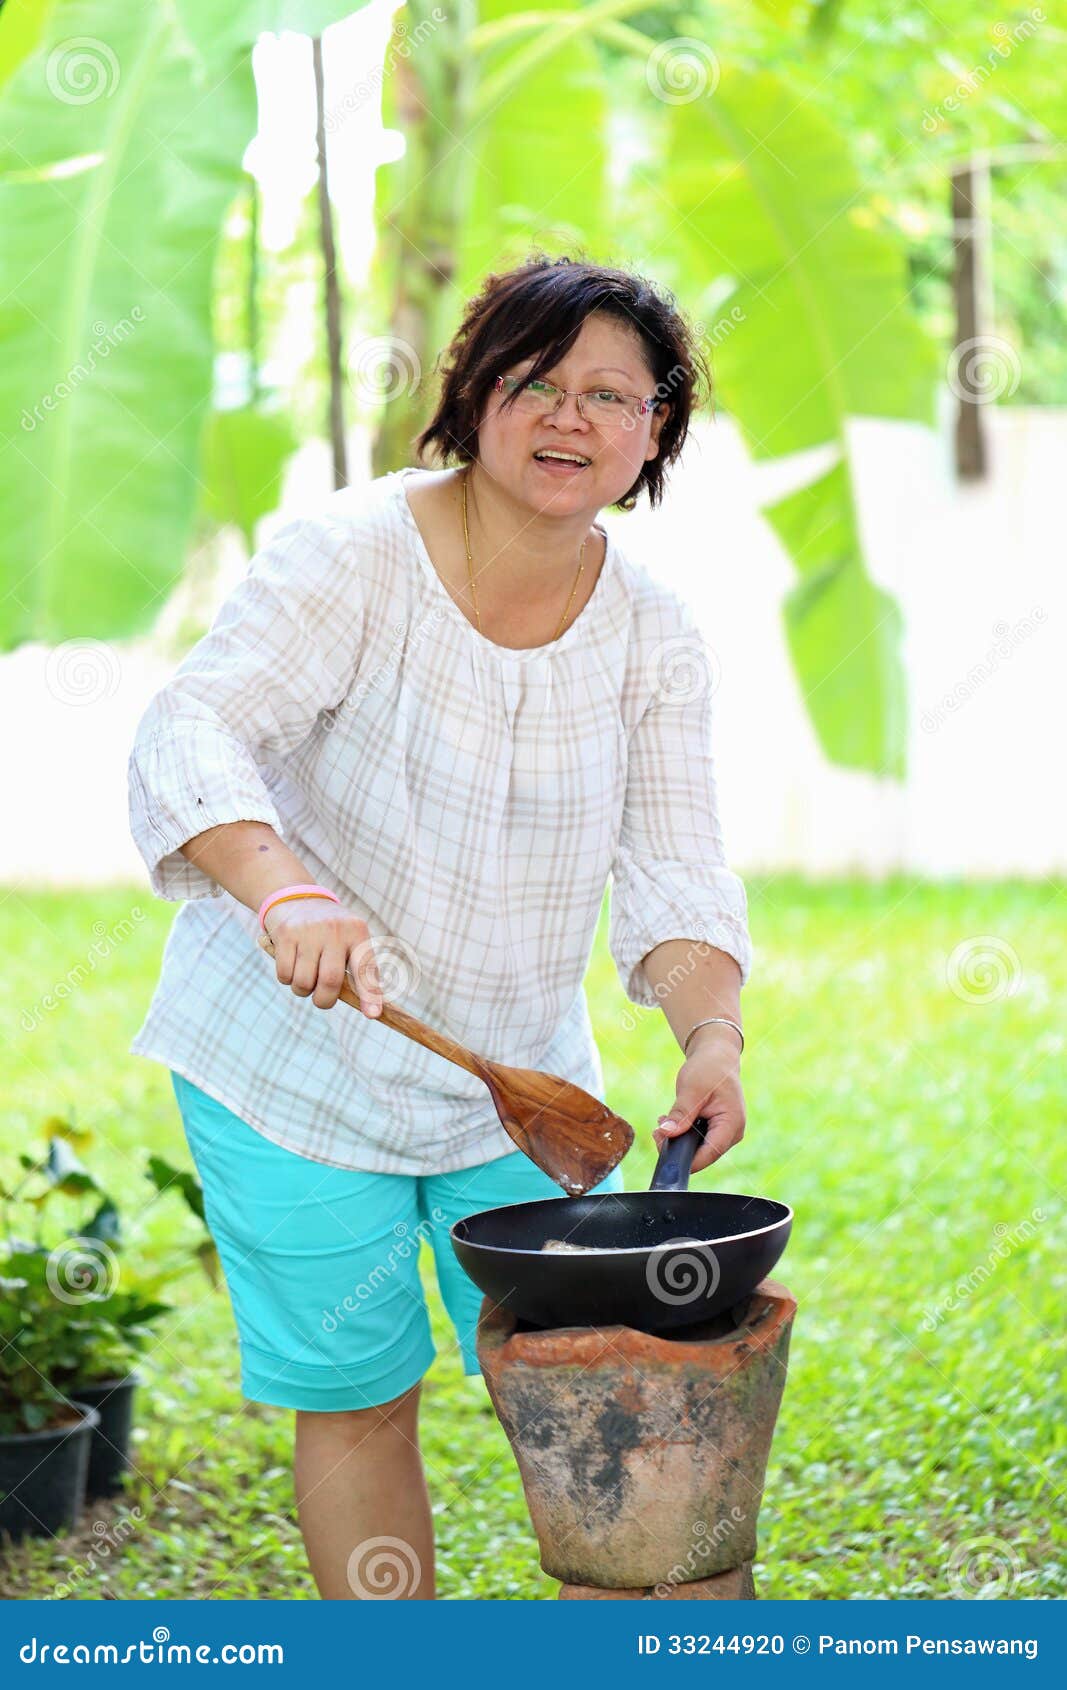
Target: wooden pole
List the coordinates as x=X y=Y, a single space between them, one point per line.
x=253 y=292
x=331 y=291
x=970 y=283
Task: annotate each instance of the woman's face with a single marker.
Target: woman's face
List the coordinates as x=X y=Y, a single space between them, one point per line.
x=605 y=354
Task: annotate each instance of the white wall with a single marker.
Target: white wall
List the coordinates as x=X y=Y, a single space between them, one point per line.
x=979 y=574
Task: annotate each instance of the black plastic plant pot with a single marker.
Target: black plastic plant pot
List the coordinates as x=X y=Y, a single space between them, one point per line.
x=109 y=1448
x=43 y=1474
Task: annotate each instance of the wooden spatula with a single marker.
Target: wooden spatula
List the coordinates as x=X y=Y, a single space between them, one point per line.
x=574 y=1137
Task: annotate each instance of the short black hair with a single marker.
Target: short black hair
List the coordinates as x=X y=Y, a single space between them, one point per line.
x=536 y=310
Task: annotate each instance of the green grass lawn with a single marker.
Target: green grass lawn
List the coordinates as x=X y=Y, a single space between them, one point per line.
x=914 y=1117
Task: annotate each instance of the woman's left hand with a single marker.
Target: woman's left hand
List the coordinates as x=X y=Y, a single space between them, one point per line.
x=708 y=1084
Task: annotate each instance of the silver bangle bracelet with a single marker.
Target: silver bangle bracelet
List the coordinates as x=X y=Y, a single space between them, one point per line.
x=726 y=1022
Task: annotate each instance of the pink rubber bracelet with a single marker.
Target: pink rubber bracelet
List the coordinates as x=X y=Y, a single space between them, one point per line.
x=294 y=892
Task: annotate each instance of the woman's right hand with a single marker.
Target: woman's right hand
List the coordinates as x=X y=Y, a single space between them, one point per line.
x=316 y=942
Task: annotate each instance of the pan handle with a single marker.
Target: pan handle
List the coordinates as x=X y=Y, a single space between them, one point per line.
x=676 y=1158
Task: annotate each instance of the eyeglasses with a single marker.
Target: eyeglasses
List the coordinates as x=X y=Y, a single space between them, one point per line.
x=602 y=405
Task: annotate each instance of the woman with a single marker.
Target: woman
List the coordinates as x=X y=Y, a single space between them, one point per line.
x=422 y=733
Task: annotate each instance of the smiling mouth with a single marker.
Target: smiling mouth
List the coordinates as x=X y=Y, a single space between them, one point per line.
x=564 y=460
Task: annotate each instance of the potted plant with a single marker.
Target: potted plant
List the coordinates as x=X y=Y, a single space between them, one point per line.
x=44 y=1435
x=102 y=1346
x=115 y=1312
x=72 y=1288
x=98 y=1312
x=120 y=1328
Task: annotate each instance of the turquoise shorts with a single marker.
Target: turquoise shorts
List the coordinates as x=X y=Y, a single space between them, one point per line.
x=322 y=1263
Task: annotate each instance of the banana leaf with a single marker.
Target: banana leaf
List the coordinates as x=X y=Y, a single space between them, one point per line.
x=121 y=141
x=765 y=200
x=242 y=463
x=112 y=209
x=537 y=164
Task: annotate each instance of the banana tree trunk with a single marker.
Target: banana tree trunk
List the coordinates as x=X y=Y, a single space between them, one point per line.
x=418 y=210
x=331 y=291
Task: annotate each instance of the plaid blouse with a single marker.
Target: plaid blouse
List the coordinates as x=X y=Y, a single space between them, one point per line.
x=468 y=801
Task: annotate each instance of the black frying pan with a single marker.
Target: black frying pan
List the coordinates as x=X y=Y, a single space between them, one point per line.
x=659 y=1259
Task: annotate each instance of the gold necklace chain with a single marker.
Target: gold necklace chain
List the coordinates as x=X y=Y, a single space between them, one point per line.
x=470 y=568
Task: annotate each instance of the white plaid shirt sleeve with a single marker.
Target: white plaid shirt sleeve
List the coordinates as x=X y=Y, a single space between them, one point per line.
x=669 y=878
x=283 y=647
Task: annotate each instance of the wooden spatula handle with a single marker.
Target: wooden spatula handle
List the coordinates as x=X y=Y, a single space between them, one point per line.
x=401 y=1022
